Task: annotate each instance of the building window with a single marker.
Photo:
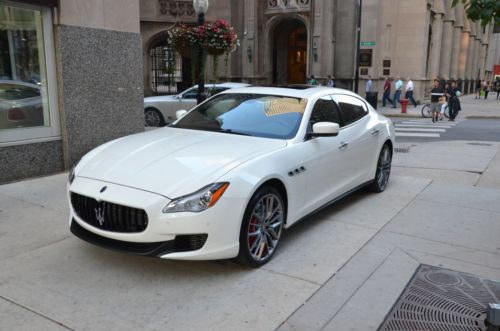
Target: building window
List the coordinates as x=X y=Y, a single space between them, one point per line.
x=28 y=97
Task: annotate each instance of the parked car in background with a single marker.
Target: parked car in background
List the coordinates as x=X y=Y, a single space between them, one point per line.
x=228 y=177
x=20 y=105
x=160 y=110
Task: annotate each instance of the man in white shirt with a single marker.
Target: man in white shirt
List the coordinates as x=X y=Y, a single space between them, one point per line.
x=409 y=92
x=368 y=87
x=397 y=94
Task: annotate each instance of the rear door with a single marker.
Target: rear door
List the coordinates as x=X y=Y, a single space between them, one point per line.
x=360 y=139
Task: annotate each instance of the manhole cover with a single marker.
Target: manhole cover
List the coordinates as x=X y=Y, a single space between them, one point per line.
x=440 y=299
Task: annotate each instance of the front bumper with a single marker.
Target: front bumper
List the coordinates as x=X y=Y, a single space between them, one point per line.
x=211 y=234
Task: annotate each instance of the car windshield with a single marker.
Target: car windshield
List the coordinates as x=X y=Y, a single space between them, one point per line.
x=258 y=115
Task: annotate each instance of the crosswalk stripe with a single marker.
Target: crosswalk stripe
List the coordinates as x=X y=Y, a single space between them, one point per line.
x=420 y=130
x=428 y=123
x=421 y=126
x=413 y=134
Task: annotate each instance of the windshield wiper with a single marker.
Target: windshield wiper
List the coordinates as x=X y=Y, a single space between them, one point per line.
x=232 y=132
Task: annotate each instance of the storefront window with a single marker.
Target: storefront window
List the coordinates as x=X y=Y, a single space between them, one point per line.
x=25 y=84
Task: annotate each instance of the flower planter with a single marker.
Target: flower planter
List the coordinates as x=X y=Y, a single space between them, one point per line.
x=215 y=51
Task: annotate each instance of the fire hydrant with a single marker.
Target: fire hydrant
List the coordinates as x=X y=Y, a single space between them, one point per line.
x=404 y=103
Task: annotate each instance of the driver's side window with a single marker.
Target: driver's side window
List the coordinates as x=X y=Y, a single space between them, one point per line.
x=325 y=110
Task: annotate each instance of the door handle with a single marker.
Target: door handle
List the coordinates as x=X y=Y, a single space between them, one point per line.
x=375 y=132
x=343 y=145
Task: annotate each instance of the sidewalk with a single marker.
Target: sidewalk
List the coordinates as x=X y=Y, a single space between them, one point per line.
x=341 y=269
x=471 y=108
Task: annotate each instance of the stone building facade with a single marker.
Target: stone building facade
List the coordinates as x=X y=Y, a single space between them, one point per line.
x=70 y=80
x=286 y=41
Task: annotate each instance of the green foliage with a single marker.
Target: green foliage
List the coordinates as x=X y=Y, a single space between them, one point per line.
x=481 y=10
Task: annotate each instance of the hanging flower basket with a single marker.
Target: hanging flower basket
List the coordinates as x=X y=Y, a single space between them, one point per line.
x=215 y=51
x=183 y=49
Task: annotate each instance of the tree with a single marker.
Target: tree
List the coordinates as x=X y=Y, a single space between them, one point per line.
x=481 y=10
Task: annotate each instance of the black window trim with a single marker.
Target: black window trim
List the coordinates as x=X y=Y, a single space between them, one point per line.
x=367 y=110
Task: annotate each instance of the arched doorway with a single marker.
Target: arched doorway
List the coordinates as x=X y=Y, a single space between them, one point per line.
x=289 y=52
x=169 y=73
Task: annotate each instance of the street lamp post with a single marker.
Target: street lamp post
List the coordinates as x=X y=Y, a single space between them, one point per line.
x=358 y=42
x=200 y=7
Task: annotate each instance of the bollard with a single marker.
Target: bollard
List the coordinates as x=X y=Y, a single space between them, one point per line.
x=404 y=103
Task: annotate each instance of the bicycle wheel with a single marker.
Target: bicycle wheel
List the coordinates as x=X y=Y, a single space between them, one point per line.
x=446 y=112
x=426 y=111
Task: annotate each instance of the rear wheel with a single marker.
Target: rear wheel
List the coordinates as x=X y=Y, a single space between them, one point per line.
x=262 y=227
x=152 y=117
x=426 y=111
x=383 y=170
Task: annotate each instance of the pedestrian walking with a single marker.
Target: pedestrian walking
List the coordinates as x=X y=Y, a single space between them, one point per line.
x=478 y=90
x=398 y=87
x=436 y=93
x=454 y=101
x=330 y=82
x=368 y=87
x=486 y=89
x=313 y=81
x=409 y=92
x=444 y=99
x=387 y=92
x=497 y=86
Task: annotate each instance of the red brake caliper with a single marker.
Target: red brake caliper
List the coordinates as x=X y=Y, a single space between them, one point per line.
x=252 y=228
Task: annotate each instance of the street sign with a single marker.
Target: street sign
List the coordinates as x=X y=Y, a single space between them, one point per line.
x=367 y=43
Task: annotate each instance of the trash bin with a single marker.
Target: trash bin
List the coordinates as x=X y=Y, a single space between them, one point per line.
x=404 y=103
x=372 y=97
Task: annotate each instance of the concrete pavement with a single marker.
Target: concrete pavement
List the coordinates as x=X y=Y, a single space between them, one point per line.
x=341 y=269
x=471 y=108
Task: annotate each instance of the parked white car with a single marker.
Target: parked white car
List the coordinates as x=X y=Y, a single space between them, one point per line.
x=160 y=110
x=228 y=177
x=20 y=105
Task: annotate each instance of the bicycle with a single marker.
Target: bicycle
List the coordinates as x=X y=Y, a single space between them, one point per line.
x=426 y=111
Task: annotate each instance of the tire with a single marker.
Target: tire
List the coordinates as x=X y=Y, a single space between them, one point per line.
x=447 y=112
x=152 y=117
x=262 y=227
x=383 y=171
x=426 y=111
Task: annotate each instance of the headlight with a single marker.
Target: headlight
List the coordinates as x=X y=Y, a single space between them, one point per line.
x=71 y=175
x=198 y=201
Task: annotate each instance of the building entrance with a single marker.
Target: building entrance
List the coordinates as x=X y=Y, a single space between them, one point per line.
x=290 y=52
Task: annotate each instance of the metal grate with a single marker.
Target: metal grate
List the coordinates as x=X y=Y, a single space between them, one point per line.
x=440 y=299
x=109 y=216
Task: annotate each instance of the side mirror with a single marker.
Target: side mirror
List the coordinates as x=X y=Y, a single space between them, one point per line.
x=324 y=129
x=180 y=113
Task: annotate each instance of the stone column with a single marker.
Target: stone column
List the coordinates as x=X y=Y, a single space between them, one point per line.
x=447 y=43
x=464 y=48
x=437 y=36
x=470 y=53
x=457 y=36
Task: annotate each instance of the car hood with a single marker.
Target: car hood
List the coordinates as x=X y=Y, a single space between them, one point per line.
x=172 y=162
x=159 y=98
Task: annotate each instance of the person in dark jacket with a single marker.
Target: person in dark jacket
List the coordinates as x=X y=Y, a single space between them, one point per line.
x=453 y=100
x=436 y=93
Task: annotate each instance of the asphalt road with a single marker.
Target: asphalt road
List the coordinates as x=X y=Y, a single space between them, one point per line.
x=423 y=130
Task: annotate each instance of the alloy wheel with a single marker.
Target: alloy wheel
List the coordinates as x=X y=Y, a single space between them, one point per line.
x=265 y=227
x=383 y=168
x=152 y=118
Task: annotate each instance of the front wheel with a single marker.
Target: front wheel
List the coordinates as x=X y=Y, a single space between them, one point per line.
x=262 y=227
x=426 y=111
x=383 y=170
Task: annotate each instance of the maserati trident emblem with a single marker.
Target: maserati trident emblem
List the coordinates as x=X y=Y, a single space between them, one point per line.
x=99 y=214
x=103 y=189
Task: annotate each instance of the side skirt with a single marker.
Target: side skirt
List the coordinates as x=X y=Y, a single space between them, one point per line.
x=331 y=202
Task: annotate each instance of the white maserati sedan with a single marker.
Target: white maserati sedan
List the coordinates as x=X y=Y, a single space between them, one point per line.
x=227 y=178
x=160 y=110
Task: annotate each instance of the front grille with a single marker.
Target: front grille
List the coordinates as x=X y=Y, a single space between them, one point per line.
x=109 y=216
